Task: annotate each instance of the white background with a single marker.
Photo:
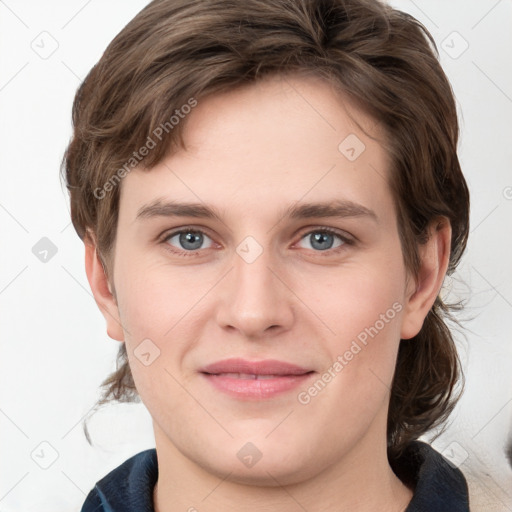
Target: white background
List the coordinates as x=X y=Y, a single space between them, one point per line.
x=55 y=350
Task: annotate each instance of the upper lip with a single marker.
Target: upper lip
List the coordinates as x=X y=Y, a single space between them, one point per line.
x=265 y=367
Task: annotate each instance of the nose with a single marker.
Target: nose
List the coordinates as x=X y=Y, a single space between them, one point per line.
x=255 y=298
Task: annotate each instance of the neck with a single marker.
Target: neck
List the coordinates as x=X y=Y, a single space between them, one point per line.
x=363 y=481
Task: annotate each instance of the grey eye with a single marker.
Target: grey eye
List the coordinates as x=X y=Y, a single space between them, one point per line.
x=188 y=239
x=322 y=240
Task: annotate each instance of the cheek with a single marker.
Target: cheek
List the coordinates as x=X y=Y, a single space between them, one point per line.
x=354 y=298
x=161 y=312
x=154 y=297
x=363 y=309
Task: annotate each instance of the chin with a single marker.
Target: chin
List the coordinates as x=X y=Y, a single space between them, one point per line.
x=266 y=474
x=261 y=462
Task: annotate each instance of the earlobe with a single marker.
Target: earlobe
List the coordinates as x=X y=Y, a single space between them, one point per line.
x=434 y=257
x=102 y=292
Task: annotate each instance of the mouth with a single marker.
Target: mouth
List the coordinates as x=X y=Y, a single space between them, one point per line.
x=258 y=380
x=248 y=376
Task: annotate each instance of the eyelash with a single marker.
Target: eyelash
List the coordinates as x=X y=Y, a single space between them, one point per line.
x=194 y=253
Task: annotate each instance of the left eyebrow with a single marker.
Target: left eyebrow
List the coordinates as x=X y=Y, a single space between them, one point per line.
x=335 y=208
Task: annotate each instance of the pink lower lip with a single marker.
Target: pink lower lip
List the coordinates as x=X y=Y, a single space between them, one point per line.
x=254 y=388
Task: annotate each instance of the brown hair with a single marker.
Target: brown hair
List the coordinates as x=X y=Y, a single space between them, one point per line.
x=175 y=52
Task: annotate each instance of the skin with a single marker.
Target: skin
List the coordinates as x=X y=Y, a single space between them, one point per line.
x=252 y=152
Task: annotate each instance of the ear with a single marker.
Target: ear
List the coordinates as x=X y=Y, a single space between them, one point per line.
x=102 y=291
x=422 y=293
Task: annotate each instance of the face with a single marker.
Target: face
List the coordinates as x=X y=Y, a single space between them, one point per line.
x=270 y=275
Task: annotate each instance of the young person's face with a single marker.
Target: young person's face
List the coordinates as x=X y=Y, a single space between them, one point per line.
x=259 y=285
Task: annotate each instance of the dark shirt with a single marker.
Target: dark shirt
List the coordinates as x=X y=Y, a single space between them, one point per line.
x=438 y=486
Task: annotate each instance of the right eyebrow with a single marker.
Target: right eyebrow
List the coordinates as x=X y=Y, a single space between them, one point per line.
x=167 y=209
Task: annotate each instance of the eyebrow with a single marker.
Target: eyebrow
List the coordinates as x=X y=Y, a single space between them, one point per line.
x=332 y=209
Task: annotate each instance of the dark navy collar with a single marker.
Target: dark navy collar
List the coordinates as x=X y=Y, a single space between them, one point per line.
x=439 y=486
x=127 y=488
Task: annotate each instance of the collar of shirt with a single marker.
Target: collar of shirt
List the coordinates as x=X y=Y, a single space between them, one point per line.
x=438 y=485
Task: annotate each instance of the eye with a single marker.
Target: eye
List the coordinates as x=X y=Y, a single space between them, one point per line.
x=188 y=240
x=323 y=239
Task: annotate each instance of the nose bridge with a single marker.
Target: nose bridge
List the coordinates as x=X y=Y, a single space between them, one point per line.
x=256 y=298
x=253 y=272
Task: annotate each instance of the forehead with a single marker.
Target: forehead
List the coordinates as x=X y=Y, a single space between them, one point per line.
x=277 y=109
x=268 y=145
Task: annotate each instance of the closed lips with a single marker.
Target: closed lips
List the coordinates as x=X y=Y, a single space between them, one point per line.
x=249 y=376
x=242 y=379
x=243 y=369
